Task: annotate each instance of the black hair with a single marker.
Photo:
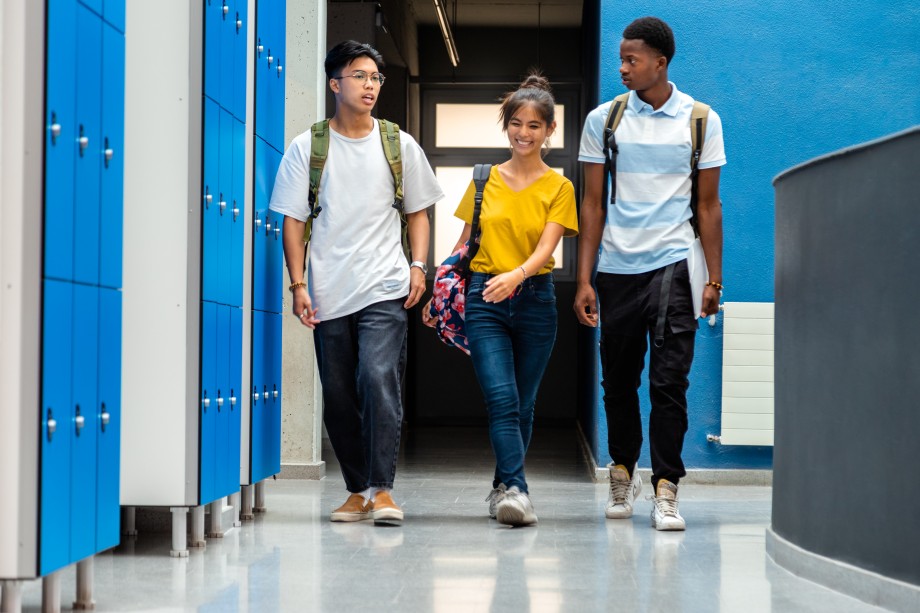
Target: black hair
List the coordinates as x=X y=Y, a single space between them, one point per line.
x=347 y=52
x=653 y=32
x=534 y=90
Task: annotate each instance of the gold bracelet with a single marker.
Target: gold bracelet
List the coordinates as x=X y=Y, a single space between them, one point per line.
x=715 y=284
x=296 y=285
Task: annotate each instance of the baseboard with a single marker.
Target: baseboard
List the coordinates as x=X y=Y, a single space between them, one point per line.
x=864 y=585
x=313 y=472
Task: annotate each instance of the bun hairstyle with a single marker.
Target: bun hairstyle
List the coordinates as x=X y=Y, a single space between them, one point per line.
x=534 y=90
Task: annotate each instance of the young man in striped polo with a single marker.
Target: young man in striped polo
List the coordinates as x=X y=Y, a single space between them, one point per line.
x=639 y=242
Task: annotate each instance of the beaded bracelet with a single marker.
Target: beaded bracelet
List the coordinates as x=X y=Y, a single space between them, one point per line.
x=523 y=270
x=296 y=285
x=715 y=284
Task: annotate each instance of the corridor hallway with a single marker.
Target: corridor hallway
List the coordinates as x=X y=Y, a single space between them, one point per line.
x=450 y=557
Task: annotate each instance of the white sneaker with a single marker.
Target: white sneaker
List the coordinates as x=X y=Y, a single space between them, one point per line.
x=515 y=508
x=623 y=491
x=494 y=497
x=665 y=515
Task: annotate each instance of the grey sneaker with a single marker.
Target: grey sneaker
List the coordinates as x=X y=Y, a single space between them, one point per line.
x=494 y=497
x=623 y=491
x=515 y=508
x=665 y=515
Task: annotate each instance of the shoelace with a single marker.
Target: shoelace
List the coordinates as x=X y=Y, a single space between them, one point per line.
x=666 y=506
x=619 y=490
x=495 y=495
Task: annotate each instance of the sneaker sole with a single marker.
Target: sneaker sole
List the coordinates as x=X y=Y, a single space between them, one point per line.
x=665 y=528
x=388 y=516
x=617 y=514
x=349 y=517
x=511 y=516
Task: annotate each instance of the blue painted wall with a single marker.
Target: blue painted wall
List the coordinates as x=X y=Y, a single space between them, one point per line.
x=791 y=81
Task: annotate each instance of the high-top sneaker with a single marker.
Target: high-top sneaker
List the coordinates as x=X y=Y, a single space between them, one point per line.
x=494 y=497
x=515 y=509
x=623 y=491
x=665 y=515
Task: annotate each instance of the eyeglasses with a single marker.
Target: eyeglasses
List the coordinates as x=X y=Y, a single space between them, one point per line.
x=361 y=77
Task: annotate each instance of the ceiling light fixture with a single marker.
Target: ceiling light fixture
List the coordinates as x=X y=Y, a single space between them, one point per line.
x=446 y=33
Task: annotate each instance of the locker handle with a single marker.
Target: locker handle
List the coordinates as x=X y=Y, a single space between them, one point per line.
x=255 y=395
x=260 y=49
x=239 y=23
x=55 y=129
x=226 y=9
x=236 y=211
x=220 y=401
x=104 y=417
x=277 y=232
x=206 y=402
x=274 y=393
x=265 y=393
x=223 y=205
x=268 y=228
x=207 y=197
x=108 y=152
x=270 y=59
x=52 y=425
x=79 y=420
x=232 y=400
x=258 y=223
x=279 y=69
x=83 y=140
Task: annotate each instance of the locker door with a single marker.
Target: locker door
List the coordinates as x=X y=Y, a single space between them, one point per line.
x=261 y=102
x=227 y=38
x=222 y=436
x=273 y=441
x=211 y=203
x=257 y=424
x=276 y=79
x=240 y=48
x=275 y=249
x=85 y=422
x=113 y=129
x=56 y=435
x=236 y=380
x=236 y=217
x=89 y=151
x=262 y=181
x=213 y=20
x=108 y=446
x=208 y=427
x=114 y=12
x=224 y=212
x=60 y=139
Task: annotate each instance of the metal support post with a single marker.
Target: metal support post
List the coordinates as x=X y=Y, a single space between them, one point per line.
x=51 y=593
x=215 y=527
x=11 y=597
x=128 y=525
x=197 y=538
x=260 y=497
x=84 y=601
x=179 y=528
x=246 y=507
x=235 y=503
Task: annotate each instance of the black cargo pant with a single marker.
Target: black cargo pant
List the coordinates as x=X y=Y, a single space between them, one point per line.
x=629 y=312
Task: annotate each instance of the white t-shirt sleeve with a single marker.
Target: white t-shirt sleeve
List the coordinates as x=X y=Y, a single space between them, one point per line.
x=291 y=193
x=420 y=186
x=592 y=136
x=713 y=153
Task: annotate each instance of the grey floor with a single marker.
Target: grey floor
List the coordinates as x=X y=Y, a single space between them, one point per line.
x=448 y=556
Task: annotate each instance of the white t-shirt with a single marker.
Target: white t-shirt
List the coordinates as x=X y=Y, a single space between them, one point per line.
x=356 y=256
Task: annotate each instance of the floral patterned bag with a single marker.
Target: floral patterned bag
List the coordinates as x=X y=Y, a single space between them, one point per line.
x=448 y=301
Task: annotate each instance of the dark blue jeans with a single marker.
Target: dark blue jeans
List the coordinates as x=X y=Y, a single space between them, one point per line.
x=510 y=343
x=362 y=359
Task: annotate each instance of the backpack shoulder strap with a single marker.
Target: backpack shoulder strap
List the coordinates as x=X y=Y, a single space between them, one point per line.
x=698 y=118
x=389 y=137
x=319 y=151
x=609 y=190
x=616 y=112
x=481 y=174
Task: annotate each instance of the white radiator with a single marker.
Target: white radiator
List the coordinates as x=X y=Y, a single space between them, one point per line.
x=747 y=374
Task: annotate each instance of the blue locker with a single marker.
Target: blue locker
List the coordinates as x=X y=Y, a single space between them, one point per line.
x=240 y=48
x=60 y=139
x=263 y=180
x=224 y=209
x=213 y=22
x=85 y=421
x=114 y=12
x=93 y=5
x=257 y=421
x=236 y=217
x=108 y=450
x=89 y=151
x=113 y=129
x=56 y=420
x=227 y=38
x=273 y=282
x=273 y=441
x=236 y=381
x=265 y=12
x=210 y=215
x=222 y=451
x=208 y=423
x=276 y=79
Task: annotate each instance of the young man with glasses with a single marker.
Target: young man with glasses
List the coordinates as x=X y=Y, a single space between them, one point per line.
x=639 y=241
x=360 y=283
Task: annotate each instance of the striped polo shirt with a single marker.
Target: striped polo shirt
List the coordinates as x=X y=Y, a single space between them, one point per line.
x=648 y=226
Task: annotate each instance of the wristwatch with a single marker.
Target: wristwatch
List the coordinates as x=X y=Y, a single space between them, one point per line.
x=420 y=264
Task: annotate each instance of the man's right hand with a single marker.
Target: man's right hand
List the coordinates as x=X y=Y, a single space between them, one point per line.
x=586 y=305
x=303 y=308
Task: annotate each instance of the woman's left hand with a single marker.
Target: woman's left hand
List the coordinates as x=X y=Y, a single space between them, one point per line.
x=501 y=286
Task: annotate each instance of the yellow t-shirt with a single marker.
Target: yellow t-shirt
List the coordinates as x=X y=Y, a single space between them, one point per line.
x=512 y=222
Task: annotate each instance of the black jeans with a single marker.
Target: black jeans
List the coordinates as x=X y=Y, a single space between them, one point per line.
x=362 y=359
x=629 y=307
